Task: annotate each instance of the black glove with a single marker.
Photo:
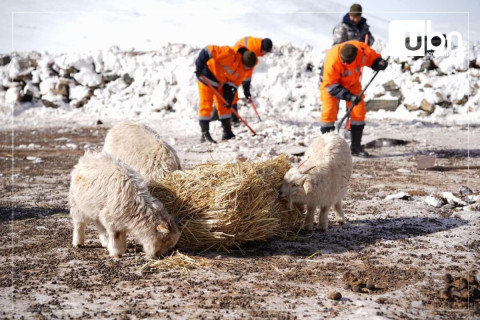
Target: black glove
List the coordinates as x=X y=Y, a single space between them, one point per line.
x=355 y=99
x=198 y=73
x=379 y=64
x=246 y=89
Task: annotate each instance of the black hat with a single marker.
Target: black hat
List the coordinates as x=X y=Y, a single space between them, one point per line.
x=249 y=59
x=267 y=44
x=348 y=53
x=355 y=10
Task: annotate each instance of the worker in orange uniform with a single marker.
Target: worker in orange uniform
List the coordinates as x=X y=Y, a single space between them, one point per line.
x=260 y=47
x=225 y=69
x=340 y=80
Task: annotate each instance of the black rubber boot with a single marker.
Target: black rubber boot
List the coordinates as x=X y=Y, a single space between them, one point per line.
x=227 y=130
x=235 y=120
x=206 y=137
x=324 y=130
x=356 y=146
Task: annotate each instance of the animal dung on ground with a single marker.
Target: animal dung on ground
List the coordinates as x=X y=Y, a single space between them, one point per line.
x=461 y=292
x=220 y=206
x=357 y=283
x=334 y=295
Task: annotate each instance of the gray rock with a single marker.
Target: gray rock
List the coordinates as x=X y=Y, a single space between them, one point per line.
x=50 y=104
x=397 y=93
x=465 y=191
x=81 y=103
x=401 y=195
x=461 y=101
x=435 y=201
x=110 y=77
x=391 y=86
x=474 y=64
x=127 y=78
x=61 y=88
x=5 y=60
x=383 y=104
x=411 y=107
x=406 y=66
x=440 y=97
x=427 y=106
x=428 y=64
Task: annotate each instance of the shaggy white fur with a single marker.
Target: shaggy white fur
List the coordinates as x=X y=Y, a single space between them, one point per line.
x=140 y=147
x=320 y=180
x=108 y=193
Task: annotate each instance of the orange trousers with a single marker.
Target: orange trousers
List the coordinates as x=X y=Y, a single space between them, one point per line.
x=235 y=98
x=207 y=98
x=330 y=107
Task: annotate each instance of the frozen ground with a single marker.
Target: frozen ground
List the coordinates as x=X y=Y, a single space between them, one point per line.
x=405 y=247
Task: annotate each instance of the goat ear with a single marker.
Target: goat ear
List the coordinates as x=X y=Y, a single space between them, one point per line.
x=307 y=186
x=162 y=228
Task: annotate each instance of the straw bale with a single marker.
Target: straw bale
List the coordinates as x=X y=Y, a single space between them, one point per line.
x=220 y=206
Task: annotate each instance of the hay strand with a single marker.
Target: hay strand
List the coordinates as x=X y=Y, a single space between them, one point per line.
x=179 y=261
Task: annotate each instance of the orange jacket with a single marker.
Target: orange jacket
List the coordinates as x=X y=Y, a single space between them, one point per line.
x=224 y=63
x=338 y=77
x=252 y=44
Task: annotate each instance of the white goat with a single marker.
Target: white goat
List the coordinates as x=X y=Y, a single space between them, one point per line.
x=321 y=179
x=142 y=149
x=111 y=195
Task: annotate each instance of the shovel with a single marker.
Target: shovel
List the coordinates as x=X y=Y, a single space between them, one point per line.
x=347 y=114
x=205 y=80
x=254 y=108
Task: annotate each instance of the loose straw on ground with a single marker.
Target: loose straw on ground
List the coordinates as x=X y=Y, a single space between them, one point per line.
x=220 y=206
x=176 y=261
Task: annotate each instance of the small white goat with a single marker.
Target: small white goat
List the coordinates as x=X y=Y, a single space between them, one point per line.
x=321 y=179
x=142 y=149
x=111 y=195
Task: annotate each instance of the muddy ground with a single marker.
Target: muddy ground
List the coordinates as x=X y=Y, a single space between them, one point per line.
x=392 y=260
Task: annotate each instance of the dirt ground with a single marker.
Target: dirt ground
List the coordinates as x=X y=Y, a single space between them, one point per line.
x=393 y=259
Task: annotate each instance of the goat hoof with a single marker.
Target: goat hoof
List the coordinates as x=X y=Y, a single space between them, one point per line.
x=320 y=229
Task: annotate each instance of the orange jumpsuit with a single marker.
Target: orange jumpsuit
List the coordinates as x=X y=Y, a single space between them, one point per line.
x=254 y=45
x=340 y=80
x=224 y=66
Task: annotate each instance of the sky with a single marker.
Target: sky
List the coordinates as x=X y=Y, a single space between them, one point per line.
x=85 y=25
